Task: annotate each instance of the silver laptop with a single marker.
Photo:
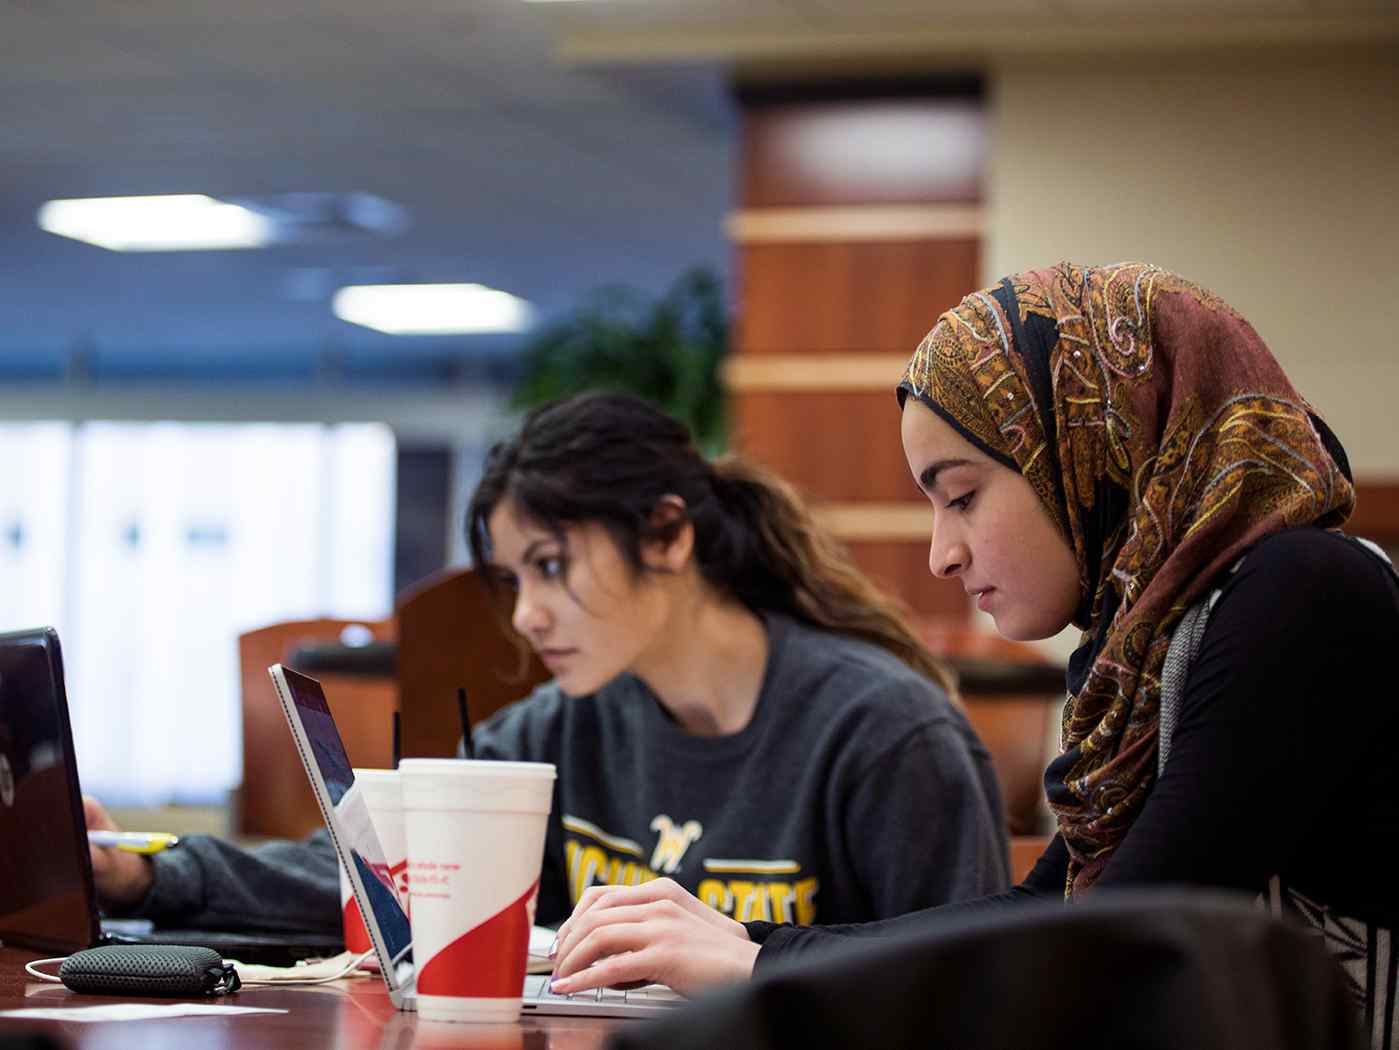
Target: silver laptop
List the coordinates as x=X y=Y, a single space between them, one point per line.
x=352 y=833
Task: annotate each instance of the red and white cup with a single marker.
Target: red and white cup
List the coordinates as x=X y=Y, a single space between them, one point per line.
x=356 y=935
x=475 y=848
x=383 y=799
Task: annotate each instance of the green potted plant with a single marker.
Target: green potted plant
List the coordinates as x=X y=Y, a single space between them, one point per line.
x=667 y=350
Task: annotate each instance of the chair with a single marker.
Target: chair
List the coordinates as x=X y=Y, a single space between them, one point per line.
x=1148 y=969
x=1012 y=697
x=275 y=799
x=452 y=634
x=1025 y=850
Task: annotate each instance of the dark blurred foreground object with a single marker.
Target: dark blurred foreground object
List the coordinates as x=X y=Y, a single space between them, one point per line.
x=1141 y=969
x=29 y=1041
x=667 y=350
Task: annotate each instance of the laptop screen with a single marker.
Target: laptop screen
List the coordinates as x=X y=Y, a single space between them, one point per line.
x=352 y=815
x=45 y=870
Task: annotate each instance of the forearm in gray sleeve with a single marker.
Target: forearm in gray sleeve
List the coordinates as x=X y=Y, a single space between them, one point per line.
x=210 y=882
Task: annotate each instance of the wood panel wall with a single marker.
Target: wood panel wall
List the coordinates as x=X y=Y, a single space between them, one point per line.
x=860 y=222
x=1376 y=514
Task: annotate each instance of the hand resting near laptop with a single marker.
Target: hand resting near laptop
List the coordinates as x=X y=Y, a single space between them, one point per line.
x=121 y=878
x=656 y=932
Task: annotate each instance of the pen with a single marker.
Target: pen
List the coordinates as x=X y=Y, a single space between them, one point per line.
x=468 y=751
x=133 y=841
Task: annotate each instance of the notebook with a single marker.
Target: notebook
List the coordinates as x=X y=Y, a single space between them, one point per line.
x=47 y=898
x=360 y=852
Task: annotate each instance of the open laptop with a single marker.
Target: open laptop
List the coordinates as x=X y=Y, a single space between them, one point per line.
x=357 y=844
x=47 y=897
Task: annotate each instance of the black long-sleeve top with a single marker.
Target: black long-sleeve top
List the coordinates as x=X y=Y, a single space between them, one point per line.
x=1283 y=759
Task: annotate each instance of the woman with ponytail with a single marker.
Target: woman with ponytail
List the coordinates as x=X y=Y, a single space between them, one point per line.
x=1116 y=448
x=734 y=706
x=735 y=710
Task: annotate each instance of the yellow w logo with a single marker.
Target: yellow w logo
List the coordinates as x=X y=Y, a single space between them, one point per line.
x=673 y=842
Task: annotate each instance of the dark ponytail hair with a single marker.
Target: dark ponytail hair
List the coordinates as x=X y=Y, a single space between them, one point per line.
x=611 y=459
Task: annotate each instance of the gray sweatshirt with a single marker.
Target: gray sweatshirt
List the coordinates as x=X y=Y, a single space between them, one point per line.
x=857 y=791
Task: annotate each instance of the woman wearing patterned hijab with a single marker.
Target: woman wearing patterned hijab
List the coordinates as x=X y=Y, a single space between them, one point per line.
x=1163 y=441
x=1116 y=448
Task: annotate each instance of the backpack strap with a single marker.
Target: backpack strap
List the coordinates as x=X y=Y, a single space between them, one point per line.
x=1185 y=646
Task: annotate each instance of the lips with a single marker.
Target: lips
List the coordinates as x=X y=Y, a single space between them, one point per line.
x=982 y=596
x=551 y=657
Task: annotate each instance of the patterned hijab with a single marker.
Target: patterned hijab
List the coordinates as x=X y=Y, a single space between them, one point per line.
x=1164 y=440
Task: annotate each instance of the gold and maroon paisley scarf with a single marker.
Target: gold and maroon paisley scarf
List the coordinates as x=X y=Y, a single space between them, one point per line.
x=1165 y=440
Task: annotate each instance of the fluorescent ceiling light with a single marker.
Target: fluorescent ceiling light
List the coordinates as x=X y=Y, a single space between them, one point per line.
x=431 y=309
x=172 y=223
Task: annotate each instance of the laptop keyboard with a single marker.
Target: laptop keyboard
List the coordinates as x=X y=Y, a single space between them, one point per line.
x=537 y=988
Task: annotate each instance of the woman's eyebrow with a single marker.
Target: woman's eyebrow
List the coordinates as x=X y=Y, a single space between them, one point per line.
x=533 y=547
x=929 y=476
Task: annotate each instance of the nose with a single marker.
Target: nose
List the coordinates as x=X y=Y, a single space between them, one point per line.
x=530 y=616
x=948 y=554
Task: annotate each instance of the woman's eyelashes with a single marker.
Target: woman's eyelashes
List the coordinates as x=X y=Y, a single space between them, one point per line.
x=544 y=566
x=961 y=502
x=550 y=566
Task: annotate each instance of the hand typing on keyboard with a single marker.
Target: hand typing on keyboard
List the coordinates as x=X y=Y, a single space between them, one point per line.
x=655 y=932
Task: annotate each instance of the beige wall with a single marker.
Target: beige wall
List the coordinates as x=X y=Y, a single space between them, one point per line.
x=1273 y=181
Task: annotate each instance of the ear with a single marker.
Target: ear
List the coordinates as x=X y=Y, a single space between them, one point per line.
x=671 y=555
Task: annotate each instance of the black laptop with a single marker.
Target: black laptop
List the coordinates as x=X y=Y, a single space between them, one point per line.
x=47 y=899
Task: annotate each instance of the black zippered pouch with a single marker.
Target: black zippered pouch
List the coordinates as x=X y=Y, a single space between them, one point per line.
x=168 y=970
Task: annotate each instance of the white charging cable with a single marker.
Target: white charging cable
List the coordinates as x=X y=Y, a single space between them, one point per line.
x=29 y=968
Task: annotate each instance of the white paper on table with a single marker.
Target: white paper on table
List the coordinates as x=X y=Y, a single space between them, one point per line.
x=133 y=1012
x=302 y=971
x=541 y=939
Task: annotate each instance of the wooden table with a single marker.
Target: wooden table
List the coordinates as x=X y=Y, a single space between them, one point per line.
x=353 y=1014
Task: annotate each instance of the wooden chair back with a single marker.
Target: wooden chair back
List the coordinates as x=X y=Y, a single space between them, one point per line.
x=453 y=634
x=275 y=799
x=1013 y=698
x=1025 y=850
